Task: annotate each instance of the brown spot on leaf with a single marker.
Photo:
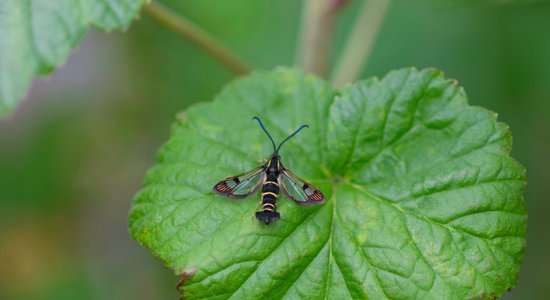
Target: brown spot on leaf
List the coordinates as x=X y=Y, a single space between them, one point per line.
x=181 y=282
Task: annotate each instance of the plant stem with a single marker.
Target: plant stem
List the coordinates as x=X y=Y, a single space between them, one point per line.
x=198 y=36
x=357 y=50
x=316 y=34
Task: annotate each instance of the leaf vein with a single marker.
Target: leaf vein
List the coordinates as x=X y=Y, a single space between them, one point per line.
x=275 y=249
x=365 y=256
x=430 y=220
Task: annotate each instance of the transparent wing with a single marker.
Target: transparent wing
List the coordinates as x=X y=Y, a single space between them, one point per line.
x=298 y=190
x=240 y=186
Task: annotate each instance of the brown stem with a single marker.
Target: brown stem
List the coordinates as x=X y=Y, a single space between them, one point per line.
x=360 y=42
x=316 y=34
x=198 y=36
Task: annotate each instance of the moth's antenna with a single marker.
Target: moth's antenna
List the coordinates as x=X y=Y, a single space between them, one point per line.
x=295 y=132
x=268 y=135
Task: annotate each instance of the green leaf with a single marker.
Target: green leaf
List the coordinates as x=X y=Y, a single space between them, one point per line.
x=37 y=35
x=423 y=200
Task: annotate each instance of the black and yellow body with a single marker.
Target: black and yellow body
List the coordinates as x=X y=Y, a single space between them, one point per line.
x=270 y=191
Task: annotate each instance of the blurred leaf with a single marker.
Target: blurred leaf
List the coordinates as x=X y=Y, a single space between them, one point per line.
x=36 y=36
x=423 y=199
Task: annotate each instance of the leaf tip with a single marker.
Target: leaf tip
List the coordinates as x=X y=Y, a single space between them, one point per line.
x=184 y=277
x=181 y=117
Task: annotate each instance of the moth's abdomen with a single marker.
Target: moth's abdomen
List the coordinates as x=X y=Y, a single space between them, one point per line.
x=268 y=201
x=270 y=193
x=272 y=187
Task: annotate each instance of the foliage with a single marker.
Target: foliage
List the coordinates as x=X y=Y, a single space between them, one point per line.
x=423 y=199
x=36 y=36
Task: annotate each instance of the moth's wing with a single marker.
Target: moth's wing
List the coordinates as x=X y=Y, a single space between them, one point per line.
x=240 y=186
x=299 y=190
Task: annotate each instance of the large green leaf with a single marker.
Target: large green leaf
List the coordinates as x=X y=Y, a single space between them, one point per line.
x=423 y=199
x=37 y=35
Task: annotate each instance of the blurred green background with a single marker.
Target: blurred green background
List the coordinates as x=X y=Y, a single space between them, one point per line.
x=74 y=153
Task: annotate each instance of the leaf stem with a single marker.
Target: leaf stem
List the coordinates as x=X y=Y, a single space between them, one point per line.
x=355 y=55
x=200 y=37
x=316 y=34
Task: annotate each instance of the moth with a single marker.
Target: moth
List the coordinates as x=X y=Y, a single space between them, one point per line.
x=271 y=176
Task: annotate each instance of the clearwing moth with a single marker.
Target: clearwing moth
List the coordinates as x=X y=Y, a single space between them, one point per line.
x=270 y=177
